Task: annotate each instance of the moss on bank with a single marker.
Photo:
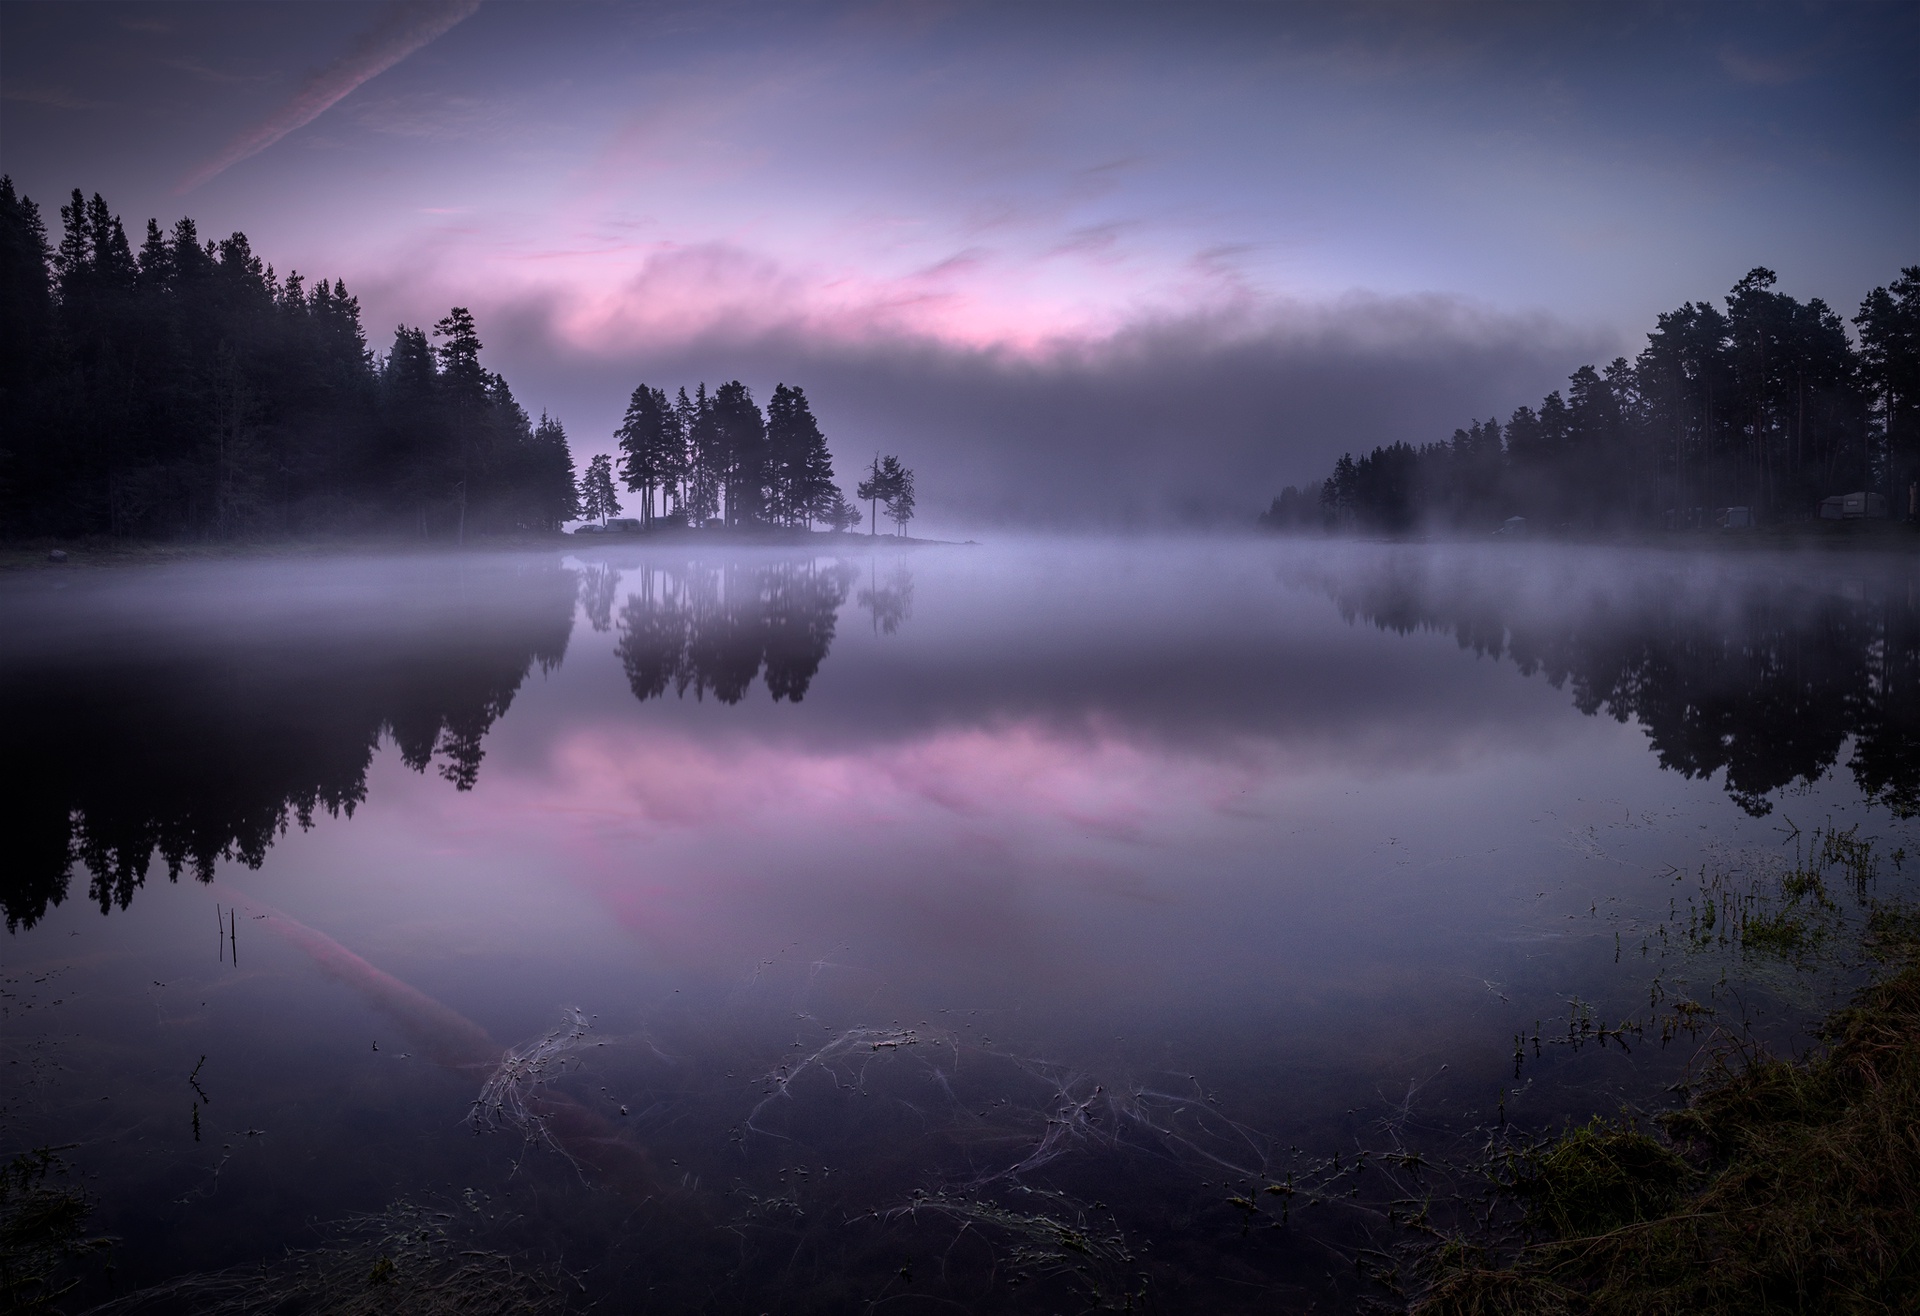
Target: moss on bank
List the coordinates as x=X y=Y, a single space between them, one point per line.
x=1784 y=1186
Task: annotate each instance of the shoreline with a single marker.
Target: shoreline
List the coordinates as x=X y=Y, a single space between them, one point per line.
x=1829 y=536
x=1782 y=1185
x=99 y=553
x=1778 y=1183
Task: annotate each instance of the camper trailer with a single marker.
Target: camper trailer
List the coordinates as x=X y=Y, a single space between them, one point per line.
x=1853 y=506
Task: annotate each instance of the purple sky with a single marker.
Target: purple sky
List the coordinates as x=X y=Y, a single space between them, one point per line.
x=1094 y=262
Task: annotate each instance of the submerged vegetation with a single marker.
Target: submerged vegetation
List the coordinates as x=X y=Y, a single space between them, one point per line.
x=43 y=1232
x=1768 y=408
x=407 y=1260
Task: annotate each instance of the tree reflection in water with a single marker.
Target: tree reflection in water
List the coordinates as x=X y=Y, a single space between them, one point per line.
x=205 y=741
x=889 y=604
x=204 y=747
x=1764 y=678
x=704 y=626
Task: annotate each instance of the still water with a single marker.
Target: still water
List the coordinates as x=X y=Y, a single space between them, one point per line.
x=1020 y=927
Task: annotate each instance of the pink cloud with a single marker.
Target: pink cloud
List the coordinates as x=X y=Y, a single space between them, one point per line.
x=685 y=837
x=1018 y=776
x=615 y=298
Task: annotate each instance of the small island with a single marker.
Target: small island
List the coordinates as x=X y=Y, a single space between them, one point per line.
x=715 y=461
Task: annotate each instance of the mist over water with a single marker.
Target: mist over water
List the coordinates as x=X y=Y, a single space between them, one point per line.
x=987 y=926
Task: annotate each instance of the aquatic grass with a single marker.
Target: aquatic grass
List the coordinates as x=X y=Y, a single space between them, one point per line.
x=1892 y=927
x=43 y=1230
x=1783 y=934
x=1790 y=913
x=1601 y=1176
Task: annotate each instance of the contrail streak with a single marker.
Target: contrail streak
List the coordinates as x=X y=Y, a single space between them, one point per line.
x=407 y=26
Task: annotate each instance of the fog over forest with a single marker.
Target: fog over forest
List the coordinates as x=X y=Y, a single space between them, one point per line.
x=1191 y=420
x=1143 y=270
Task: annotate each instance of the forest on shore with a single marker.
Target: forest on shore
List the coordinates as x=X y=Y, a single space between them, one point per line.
x=1767 y=405
x=184 y=390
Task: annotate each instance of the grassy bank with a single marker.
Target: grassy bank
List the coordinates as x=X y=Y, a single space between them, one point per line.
x=1783 y=1186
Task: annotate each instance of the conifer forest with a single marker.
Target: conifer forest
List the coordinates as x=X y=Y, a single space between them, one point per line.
x=1768 y=405
x=185 y=390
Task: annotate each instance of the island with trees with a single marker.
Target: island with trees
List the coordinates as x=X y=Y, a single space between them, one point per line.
x=716 y=460
x=1766 y=411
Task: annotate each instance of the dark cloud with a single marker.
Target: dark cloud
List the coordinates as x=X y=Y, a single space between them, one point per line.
x=1193 y=420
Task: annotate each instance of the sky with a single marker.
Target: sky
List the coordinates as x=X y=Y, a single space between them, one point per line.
x=1076 y=263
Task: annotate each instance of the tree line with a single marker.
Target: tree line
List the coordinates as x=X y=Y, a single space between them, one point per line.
x=717 y=458
x=184 y=389
x=1768 y=404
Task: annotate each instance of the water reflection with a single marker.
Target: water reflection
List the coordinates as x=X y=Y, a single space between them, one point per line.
x=889 y=604
x=1040 y=935
x=203 y=737
x=714 y=627
x=599 y=590
x=205 y=742
x=1764 y=673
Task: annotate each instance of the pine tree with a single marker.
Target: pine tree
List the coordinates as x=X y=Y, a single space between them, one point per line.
x=113 y=266
x=459 y=356
x=555 y=490
x=706 y=456
x=892 y=484
x=598 y=500
x=74 y=259
x=800 y=468
x=900 y=497
x=839 y=514
x=650 y=446
x=1889 y=324
x=26 y=296
x=870 y=491
x=740 y=435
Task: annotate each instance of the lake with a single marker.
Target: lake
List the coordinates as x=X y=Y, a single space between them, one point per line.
x=1044 y=925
